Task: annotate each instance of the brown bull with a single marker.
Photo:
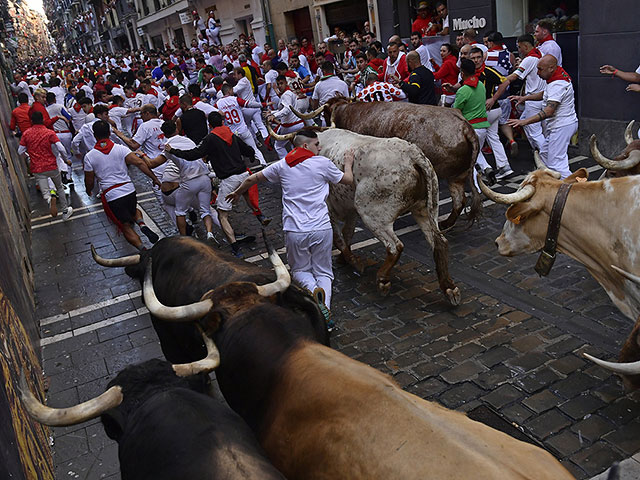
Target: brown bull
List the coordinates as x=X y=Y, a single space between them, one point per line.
x=626 y=163
x=443 y=135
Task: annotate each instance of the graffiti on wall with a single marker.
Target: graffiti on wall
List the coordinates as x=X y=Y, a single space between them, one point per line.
x=16 y=355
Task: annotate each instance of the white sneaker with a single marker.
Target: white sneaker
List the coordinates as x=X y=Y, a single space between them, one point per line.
x=212 y=238
x=66 y=214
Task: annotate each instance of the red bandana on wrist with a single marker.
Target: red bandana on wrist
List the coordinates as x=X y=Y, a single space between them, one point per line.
x=535 y=53
x=471 y=81
x=224 y=133
x=104 y=146
x=559 y=74
x=298 y=155
x=546 y=39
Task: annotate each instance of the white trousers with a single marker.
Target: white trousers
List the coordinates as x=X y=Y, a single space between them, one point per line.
x=195 y=193
x=168 y=202
x=493 y=116
x=65 y=139
x=249 y=140
x=554 y=150
x=282 y=147
x=253 y=119
x=309 y=256
x=534 y=130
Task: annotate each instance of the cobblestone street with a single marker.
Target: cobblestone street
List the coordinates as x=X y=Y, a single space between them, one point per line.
x=509 y=355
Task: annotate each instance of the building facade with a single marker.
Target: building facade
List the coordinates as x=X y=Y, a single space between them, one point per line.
x=26 y=31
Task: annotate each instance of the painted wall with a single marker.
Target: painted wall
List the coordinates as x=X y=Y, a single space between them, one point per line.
x=24 y=450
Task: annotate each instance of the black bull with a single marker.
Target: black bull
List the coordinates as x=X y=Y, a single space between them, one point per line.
x=184 y=269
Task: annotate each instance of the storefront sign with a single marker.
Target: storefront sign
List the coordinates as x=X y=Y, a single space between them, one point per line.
x=473 y=22
x=185 y=17
x=140 y=31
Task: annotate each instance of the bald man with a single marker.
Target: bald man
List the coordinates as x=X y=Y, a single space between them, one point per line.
x=558 y=114
x=419 y=86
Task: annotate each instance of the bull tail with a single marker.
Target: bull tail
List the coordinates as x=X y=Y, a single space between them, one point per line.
x=475 y=208
x=426 y=172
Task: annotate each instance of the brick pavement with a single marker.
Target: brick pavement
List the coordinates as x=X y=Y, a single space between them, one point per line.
x=509 y=355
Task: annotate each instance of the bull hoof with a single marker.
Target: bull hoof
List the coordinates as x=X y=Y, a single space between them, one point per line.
x=454 y=296
x=384 y=286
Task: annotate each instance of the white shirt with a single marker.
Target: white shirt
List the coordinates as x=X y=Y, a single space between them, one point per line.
x=59 y=92
x=528 y=71
x=78 y=118
x=151 y=140
x=233 y=117
x=329 y=88
x=110 y=169
x=551 y=47
x=55 y=110
x=117 y=114
x=425 y=56
x=565 y=114
x=285 y=115
x=305 y=189
x=23 y=87
x=188 y=169
x=244 y=90
x=207 y=108
x=257 y=53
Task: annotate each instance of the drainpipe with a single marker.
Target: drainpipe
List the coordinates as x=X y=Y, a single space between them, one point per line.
x=266 y=15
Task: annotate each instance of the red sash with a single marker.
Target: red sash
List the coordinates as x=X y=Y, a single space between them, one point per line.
x=107 y=210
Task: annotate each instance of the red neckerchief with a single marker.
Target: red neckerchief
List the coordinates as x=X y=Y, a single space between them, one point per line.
x=496 y=48
x=153 y=92
x=290 y=74
x=546 y=39
x=133 y=95
x=559 y=74
x=104 y=146
x=534 y=53
x=77 y=107
x=471 y=81
x=480 y=71
x=298 y=155
x=224 y=133
x=112 y=106
x=194 y=100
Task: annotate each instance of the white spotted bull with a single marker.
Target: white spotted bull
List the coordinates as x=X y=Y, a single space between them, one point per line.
x=443 y=135
x=391 y=177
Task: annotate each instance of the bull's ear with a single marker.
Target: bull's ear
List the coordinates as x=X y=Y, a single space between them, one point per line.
x=519 y=212
x=581 y=175
x=113 y=423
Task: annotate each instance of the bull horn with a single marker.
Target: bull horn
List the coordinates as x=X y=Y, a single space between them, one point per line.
x=521 y=195
x=627 y=275
x=183 y=313
x=115 y=262
x=538 y=161
x=284 y=138
x=283 y=279
x=631 y=368
x=206 y=365
x=631 y=161
x=628 y=134
x=62 y=417
x=308 y=116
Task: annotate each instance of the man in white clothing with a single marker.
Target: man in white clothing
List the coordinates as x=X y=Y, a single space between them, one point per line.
x=195 y=186
x=287 y=120
x=304 y=176
x=84 y=140
x=328 y=86
x=546 y=44
x=107 y=163
x=527 y=71
x=244 y=90
x=231 y=107
x=421 y=49
x=559 y=113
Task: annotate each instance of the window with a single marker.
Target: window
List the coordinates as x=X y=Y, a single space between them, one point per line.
x=516 y=17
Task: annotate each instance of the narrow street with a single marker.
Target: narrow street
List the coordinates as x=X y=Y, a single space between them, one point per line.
x=509 y=355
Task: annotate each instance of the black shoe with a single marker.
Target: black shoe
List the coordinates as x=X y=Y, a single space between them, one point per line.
x=245 y=238
x=235 y=250
x=263 y=220
x=150 y=234
x=489 y=176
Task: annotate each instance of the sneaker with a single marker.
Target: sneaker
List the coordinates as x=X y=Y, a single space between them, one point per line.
x=320 y=298
x=67 y=213
x=489 y=176
x=150 y=234
x=512 y=148
x=53 y=206
x=212 y=238
x=235 y=250
x=263 y=220
x=504 y=172
x=67 y=190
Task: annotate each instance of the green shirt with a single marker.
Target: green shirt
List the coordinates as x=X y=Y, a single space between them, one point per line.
x=471 y=102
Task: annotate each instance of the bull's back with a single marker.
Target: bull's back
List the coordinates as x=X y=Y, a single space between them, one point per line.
x=443 y=135
x=334 y=417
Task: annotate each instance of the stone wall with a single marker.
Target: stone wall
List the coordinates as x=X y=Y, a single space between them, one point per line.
x=24 y=449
